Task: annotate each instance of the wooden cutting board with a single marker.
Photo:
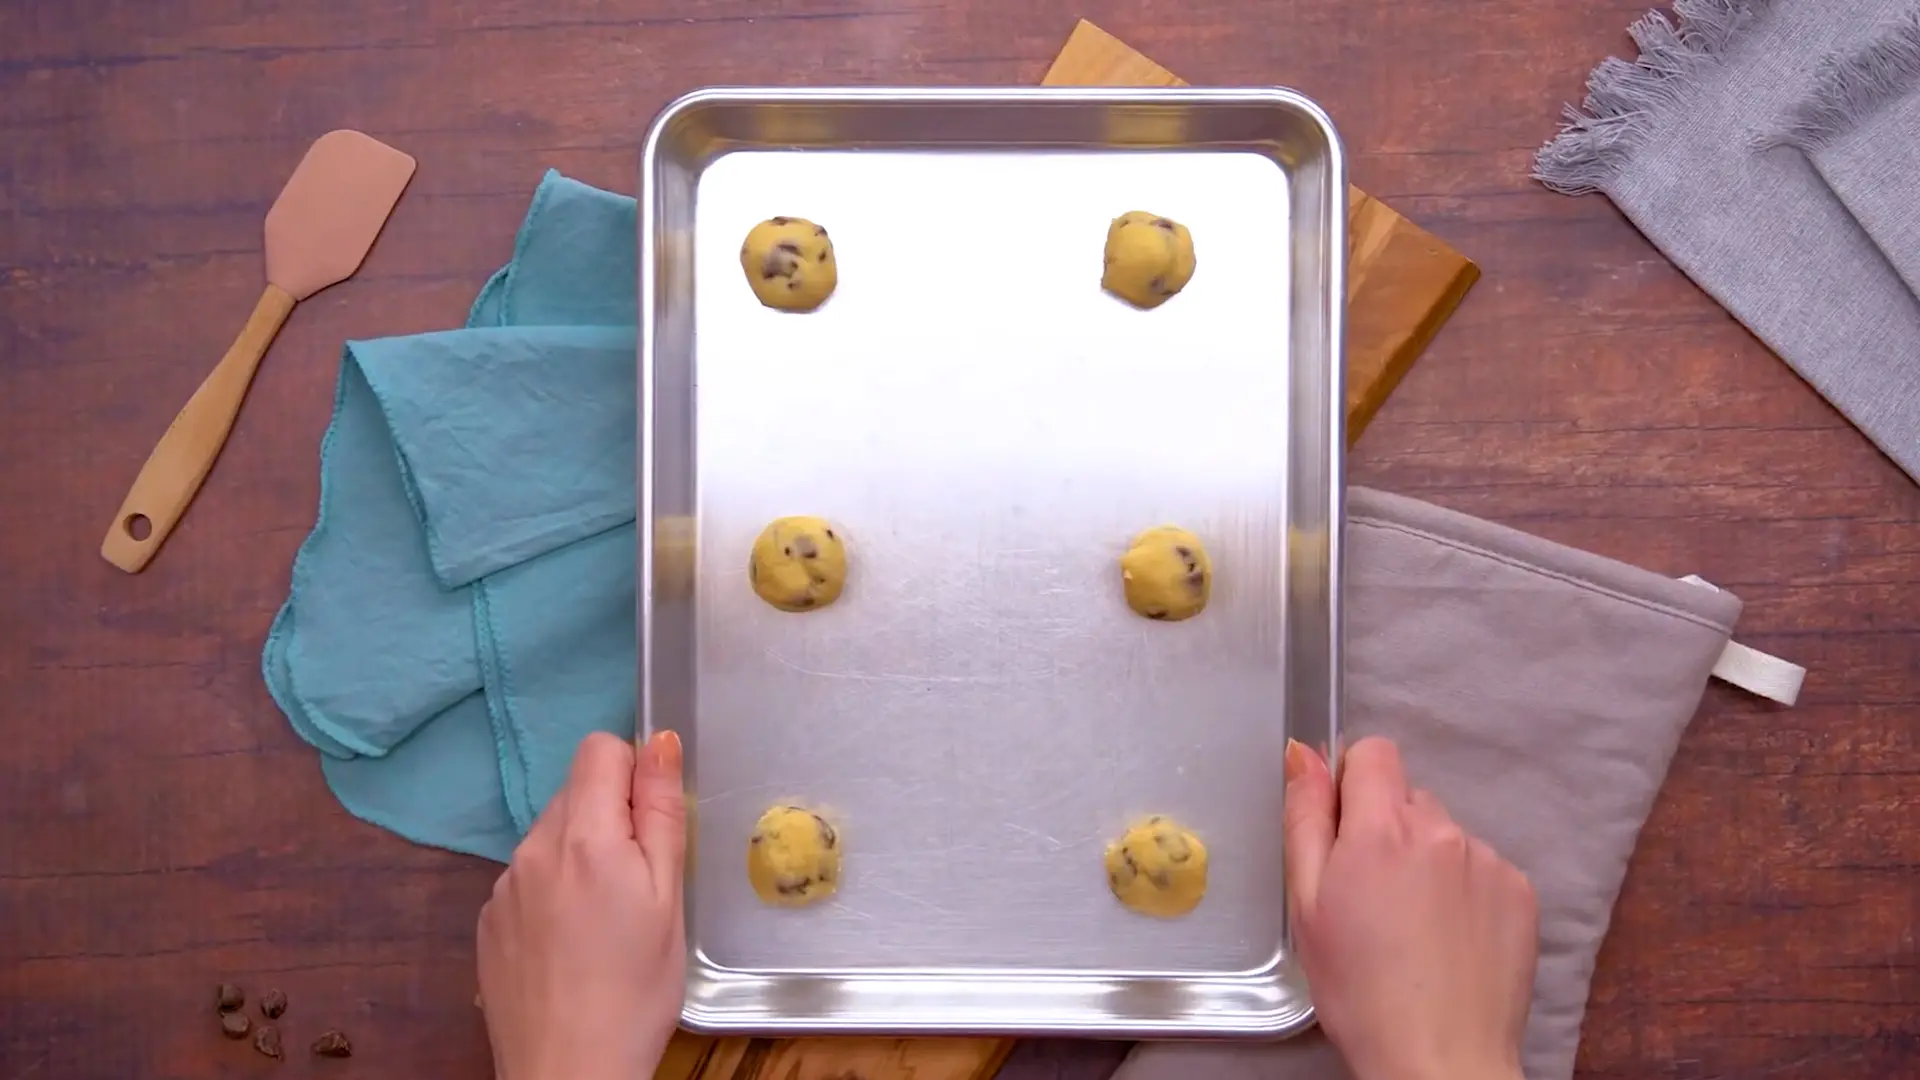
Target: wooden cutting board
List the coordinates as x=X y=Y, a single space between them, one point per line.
x=1402 y=284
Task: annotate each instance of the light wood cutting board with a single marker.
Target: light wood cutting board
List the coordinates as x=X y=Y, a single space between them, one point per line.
x=1402 y=285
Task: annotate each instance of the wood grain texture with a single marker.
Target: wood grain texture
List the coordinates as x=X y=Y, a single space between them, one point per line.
x=164 y=830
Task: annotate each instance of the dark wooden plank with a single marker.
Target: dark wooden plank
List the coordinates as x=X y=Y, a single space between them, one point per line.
x=163 y=829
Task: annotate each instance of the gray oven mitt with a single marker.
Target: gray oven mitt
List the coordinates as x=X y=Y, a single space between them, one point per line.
x=1539 y=691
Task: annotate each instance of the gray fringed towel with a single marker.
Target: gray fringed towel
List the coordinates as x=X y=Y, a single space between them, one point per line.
x=1859 y=125
x=1690 y=141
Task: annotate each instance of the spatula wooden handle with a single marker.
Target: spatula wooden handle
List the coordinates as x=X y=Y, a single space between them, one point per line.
x=180 y=462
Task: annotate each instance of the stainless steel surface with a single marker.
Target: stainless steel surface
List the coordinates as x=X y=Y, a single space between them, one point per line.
x=979 y=713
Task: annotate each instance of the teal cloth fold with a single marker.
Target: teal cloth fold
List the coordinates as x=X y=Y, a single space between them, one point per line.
x=462 y=614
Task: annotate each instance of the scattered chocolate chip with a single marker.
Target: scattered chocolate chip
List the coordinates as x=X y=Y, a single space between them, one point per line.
x=793 y=284
x=787 y=246
x=782 y=221
x=787 y=886
x=787 y=551
x=230 y=997
x=1197 y=580
x=235 y=1025
x=806 y=547
x=805 y=602
x=827 y=835
x=333 y=1044
x=267 y=1041
x=1159 y=285
x=1183 y=551
x=829 y=534
x=1163 y=223
x=756 y=839
x=1156 y=614
x=823 y=256
x=753 y=571
x=819 y=230
x=1160 y=880
x=272 y=1004
x=798 y=809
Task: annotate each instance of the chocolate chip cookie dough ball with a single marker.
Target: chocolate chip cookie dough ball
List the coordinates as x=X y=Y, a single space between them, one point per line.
x=1167 y=574
x=789 y=263
x=793 y=858
x=1158 y=868
x=1149 y=258
x=798 y=564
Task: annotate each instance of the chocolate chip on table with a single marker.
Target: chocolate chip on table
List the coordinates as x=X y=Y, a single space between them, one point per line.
x=267 y=1041
x=333 y=1044
x=235 y=1024
x=230 y=997
x=272 y=1004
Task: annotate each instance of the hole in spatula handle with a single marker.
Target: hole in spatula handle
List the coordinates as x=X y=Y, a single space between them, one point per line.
x=137 y=526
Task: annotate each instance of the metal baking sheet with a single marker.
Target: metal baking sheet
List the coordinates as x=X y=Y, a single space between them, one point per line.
x=979 y=713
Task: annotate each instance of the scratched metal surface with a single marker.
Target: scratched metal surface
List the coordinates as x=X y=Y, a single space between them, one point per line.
x=980 y=714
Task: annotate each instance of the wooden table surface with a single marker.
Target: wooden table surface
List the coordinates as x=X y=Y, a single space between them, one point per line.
x=161 y=828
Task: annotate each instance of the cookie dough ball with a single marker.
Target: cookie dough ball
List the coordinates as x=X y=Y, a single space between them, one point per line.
x=1167 y=574
x=1158 y=868
x=794 y=857
x=789 y=263
x=1149 y=258
x=798 y=564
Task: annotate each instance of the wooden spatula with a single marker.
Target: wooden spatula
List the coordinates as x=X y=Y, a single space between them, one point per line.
x=318 y=232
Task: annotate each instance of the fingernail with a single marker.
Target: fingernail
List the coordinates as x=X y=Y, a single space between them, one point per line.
x=1296 y=759
x=663 y=752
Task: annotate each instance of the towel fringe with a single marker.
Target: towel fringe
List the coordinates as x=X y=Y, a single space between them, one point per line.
x=1848 y=89
x=1602 y=132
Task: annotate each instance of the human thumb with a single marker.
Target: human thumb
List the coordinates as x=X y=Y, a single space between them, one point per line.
x=1307 y=825
x=660 y=810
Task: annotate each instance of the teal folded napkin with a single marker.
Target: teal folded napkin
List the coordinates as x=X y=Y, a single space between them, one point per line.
x=462 y=614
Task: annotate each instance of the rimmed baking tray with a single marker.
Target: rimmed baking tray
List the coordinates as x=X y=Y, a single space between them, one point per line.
x=979 y=713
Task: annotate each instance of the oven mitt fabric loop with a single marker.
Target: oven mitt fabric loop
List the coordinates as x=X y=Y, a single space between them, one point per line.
x=1540 y=692
x=461 y=615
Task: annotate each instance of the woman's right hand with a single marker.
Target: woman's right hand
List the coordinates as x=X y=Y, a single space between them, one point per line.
x=1418 y=940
